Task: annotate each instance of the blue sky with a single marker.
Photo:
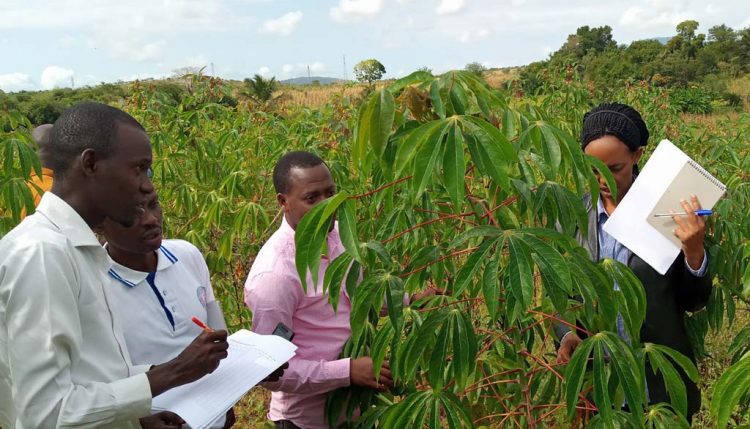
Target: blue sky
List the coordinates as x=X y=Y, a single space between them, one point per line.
x=47 y=44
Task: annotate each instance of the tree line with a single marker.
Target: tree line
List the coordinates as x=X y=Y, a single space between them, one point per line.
x=696 y=66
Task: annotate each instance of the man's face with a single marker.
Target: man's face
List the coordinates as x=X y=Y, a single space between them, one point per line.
x=123 y=180
x=307 y=187
x=144 y=236
x=617 y=156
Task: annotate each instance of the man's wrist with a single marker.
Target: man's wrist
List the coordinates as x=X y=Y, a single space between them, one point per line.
x=164 y=377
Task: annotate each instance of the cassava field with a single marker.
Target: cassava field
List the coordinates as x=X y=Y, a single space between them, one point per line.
x=448 y=181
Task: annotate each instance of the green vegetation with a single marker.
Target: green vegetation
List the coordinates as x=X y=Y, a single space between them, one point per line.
x=448 y=182
x=696 y=67
x=369 y=71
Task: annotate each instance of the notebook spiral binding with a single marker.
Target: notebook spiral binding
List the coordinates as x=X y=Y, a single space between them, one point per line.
x=707 y=175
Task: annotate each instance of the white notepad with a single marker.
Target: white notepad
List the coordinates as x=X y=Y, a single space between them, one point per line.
x=668 y=176
x=251 y=358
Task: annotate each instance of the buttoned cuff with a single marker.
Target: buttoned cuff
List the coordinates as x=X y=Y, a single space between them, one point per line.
x=133 y=397
x=700 y=272
x=340 y=372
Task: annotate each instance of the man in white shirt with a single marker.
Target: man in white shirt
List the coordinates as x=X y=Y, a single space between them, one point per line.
x=63 y=359
x=157 y=286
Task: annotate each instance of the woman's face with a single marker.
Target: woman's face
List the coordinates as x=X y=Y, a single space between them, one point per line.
x=617 y=156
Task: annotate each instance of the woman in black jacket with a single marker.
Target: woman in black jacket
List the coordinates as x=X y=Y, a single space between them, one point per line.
x=616 y=134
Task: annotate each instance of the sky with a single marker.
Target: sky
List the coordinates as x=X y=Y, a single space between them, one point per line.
x=64 y=43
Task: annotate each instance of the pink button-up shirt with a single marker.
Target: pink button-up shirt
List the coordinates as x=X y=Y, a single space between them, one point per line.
x=274 y=294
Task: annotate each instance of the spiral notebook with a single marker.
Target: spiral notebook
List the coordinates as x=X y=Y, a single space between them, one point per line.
x=692 y=179
x=668 y=176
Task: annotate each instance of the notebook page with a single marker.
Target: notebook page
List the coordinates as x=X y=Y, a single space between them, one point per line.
x=689 y=181
x=251 y=358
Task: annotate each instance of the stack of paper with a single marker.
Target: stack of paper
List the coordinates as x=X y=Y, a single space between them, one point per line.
x=251 y=358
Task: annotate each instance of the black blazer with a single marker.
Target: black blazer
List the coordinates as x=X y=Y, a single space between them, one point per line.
x=668 y=298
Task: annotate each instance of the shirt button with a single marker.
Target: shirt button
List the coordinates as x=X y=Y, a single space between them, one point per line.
x=174 y=309
x=164 y=292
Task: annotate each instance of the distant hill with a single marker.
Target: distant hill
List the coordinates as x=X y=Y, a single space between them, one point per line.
x=308 y=80
x=662 y=40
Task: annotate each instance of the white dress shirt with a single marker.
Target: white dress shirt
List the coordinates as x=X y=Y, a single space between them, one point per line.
x=63 y=359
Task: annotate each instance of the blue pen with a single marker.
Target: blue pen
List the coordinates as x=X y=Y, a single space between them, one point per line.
x=702 y=212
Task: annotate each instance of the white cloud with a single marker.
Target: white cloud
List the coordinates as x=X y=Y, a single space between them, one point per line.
x=56 y=77
x=351 y=10
x=16 y=82
x=282 y=26
x=131 y=48
x=471 y=36
x=450 y=6
x=196 y=61
x=264 y=71
x=137 y=30
x=655 y=14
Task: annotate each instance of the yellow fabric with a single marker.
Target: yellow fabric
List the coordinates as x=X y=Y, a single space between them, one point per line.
x=44 y=181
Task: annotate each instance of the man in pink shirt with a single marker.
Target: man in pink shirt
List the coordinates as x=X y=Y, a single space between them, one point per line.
x=274 y=294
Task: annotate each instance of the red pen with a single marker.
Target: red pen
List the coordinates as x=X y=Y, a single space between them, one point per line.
x=202 y=325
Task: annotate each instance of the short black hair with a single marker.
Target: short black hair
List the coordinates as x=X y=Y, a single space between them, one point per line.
x=86 y=125
x=615 y=119
x=295 y=159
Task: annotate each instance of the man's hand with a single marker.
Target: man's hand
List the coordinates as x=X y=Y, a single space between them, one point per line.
x=230 y=419
x=162 y=420
x=276 y=375
x=568 y=345
x=691 y=230
x=199 y=358
x=362 y=373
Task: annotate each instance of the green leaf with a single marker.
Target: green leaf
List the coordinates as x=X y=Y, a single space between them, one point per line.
x=624 y=364
x=672 y=380
x=374 y=126
x=454 y=166
x=731 y=387
x=483 y=231
x=608 y=178
x=491 y=287
x=519 y=271
x=470 y=268
x=348 y=229
x=601 y=391
x=575 y=373
x=436 y=99
x=334 y=278
x=425 y=164
x=427 y=133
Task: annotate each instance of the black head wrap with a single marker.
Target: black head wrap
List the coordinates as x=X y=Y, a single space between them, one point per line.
x=615 y=119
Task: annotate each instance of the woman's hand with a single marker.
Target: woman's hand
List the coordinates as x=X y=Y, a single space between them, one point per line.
x=691 y=230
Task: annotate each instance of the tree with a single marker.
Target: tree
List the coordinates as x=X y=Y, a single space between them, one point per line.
x=369 y=71
x=587 y=39
x=476 y=67
x=260 y=88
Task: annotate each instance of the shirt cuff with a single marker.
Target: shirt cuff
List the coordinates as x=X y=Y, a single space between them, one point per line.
x=339 y=370
x=565 y=335
x=700 y=272
x=133 y=397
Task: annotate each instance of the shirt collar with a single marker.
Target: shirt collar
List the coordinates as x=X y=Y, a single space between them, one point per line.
x=601 y=212
x=63 y=216
x=130 y=277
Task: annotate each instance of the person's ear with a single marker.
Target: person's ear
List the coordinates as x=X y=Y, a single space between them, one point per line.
x=637 y=155
x=89 y=162
x=281 y=198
